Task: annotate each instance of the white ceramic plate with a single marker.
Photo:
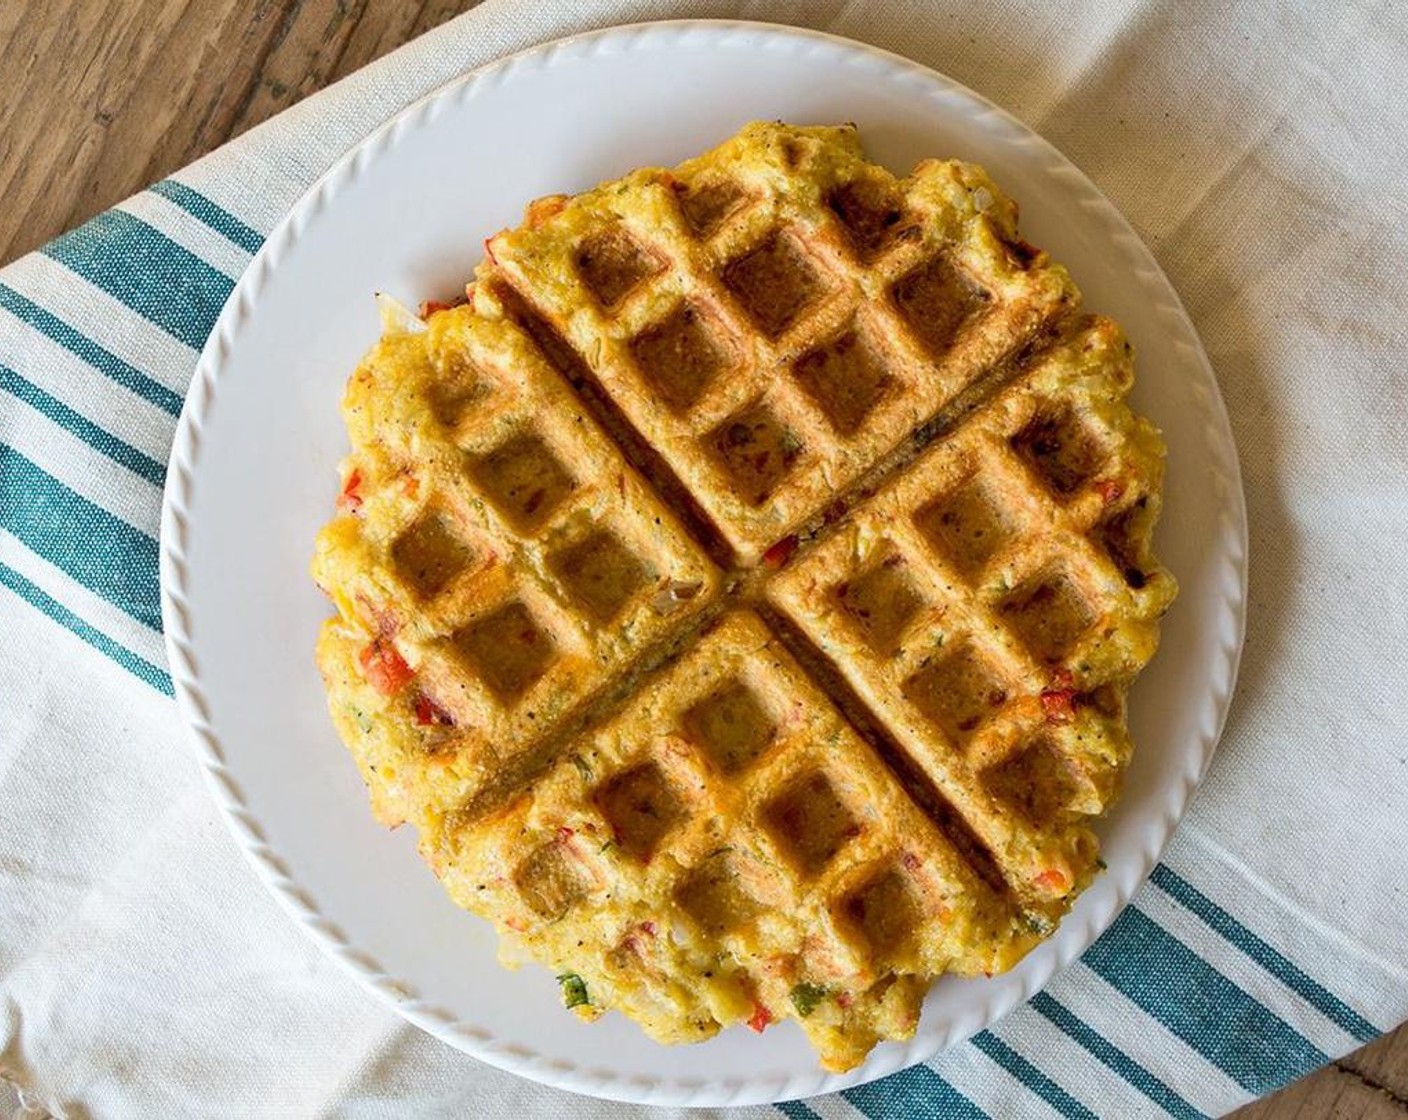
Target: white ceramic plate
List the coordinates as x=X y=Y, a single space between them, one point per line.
x=252 y=478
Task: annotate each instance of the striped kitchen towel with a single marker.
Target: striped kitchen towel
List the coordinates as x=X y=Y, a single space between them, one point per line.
x=145 y=972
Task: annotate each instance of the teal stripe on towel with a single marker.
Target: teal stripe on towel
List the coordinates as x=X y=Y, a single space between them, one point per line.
x=94 y=436
x=1218 y=919
x=1113 y=1057
x=917 y=1093
x=1253 y=1046
x=160 y=280
x=100 y=551
x=37 y=598
x=1031 y=1077
x=796 y=1110
x=216 y=217
x=130 y=378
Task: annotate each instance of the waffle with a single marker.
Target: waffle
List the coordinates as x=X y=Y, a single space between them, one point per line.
x=500 y=564
x=739 y=592
x=773 y=317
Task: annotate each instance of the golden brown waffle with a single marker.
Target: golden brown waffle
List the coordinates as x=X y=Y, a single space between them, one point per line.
x=740 y=593
x=774 y=317
x=998 y=577
x=502 y=554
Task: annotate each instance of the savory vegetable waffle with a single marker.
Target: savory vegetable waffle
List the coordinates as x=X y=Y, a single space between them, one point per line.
x=739 y=593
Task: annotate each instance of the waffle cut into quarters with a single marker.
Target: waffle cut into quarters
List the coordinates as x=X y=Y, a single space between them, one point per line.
x=740 y=590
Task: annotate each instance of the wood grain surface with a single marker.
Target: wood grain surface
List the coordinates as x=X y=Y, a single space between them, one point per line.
x=99 y=98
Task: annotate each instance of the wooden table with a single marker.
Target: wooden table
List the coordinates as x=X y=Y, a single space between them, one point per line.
x=98 y=98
